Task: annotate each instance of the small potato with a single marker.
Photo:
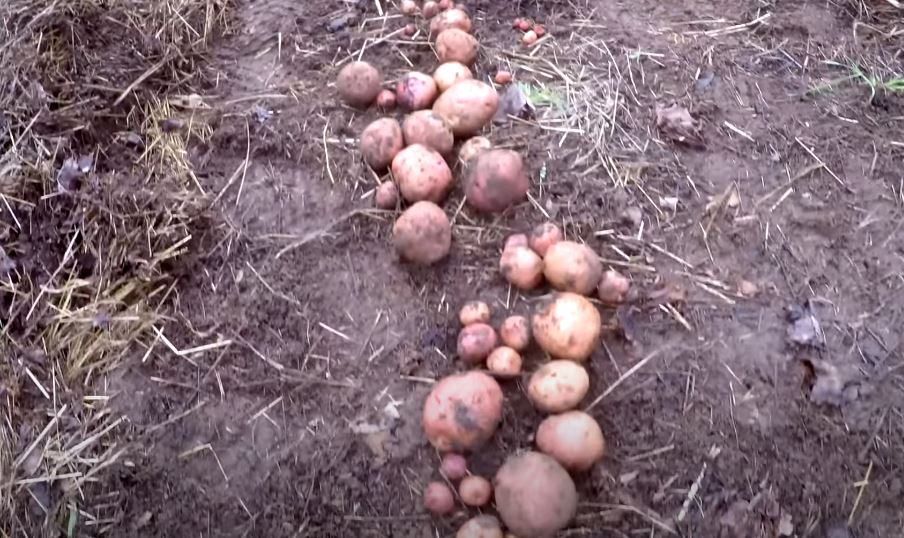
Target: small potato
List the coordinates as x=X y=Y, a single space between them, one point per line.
x=381 y=141
x=430 y=10
x=529 y=38
x=462 y=411
x=504 y=362
x=515 y=332
x=568 y=327
x=521 y=267
x=422 y=234
x=438 y=499
x=475 y=342
x=409 y=30
x=613 y=288
x=521 y=24
x=475 y=490
x=472 y=148
x=571 y=266
x=358 y=84
x=416 y=91
x=468 y=106
x=422 y=174
x=474 y=312
x=447 y=74
x=515 y=240
x=454 y=466
x=503 y=77
x=535 y=496
x=573 y=438
x=544 y=236
x=454 y=45
x=539 y=30
x=453 y=18
x=496 y=180
x=408 y=8
x=386 y=99
x=427 y=128
x=485 y=526
x=446 y=4
x=558 y=386
x=386 y=195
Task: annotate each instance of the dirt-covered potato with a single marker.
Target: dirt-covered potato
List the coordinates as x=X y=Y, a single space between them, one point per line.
x=558 y=386
x=454 y=45
x=386 y=99
x=381 y=141
x=468 y=106
x=386 y=195
x=495 y=180
x=472 y=148
x=613 y=288
x=438 y=499
x=359 y=83
x=475 y=490
x=422 y=174
x=474 y=312
x=504 y=362
x=521 y=267
x=535 y=496
x=427 y=128
x=422 y=234
x=447 y=74
x=544 y=236
x=485 y=526
x=462 y=411
x=515 y=332
x=475 y=342
x=567 y=327
x=454 y=466
x=574 y=439
x=571 y=266
x=453 y=18
x=515 y=240
x=416 y=91
x=430 y=10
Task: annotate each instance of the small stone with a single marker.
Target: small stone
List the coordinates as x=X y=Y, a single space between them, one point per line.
x=632 y=215
x=748 y=288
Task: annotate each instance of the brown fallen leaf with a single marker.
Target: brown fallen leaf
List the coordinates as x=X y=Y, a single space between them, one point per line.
x=677 y=124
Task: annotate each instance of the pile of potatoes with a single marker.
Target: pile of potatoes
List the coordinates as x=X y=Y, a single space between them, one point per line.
x=440 y=110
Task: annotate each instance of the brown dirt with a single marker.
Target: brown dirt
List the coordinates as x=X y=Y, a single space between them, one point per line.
x=308 y=423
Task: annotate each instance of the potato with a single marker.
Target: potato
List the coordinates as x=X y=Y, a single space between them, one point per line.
x=438 y=499
x=446 y=4
x=475 y=490
x=408 y=8
x=496 y=180
x=430 y=10
x=462 y=411
x=503 y=77
x=474 y=312
x=613 y=288
x=422 y=234
x=422 y=174
x=447 y=74
x=416 y=91
x=453 y=18
x=427 y=128
x=535 y=496
x=484 y=526
x=571 y=266
x=558 y=386
x=544 y=236
x=504 y=362
x=381 y=141
x=515 y=240
x=515 y=332
x=359 y=83
x=521 y=267
x=567 y=327
x=529 y=38
x=454 y=45
x=454 y=466
x=574 y=439
x=475 y=342
x=386 y=195
x=467 y=106
x=472 y=148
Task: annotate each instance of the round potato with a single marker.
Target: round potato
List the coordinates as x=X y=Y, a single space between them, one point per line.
x=475 y=342
x=427 y=128
x=359 y=83
x=422 y=234
x=386 y=99
x=422 y=174
x=521 y=267
x=558 y=386
x=454 y=45
x=416 y=91
x=568 y=327
x=453 y=18
x=386 y=196
x=496 y=180
x=430 y=10
x=571 y=266
x=504 y=362
x=472 y=148
x=438 y=499
x=544 y=236
x=474 y=312
x=447 y=74
x=515 y=332
x=454 y=466
x=462 y=411
x=613 y=288
x=381 y=141
x=468 y=106
x=535 y=496
x=574 y=439
x=475 y=490
x=485 y=526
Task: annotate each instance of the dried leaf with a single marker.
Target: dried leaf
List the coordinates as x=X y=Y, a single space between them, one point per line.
x=513 y=102
x=805 y=329
x=834 y=384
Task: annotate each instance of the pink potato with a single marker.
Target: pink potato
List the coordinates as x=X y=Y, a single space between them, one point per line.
x=381 y=141
x=422 y=174
x=475 y=342
x=504 y=362
x=474 y=312
x=438 y=499
x=386 y=195
x=573 y=438
x=472 y=148
x=496 y=180
x=462 y=411
x=521 y=267
x=359 y=83
x=454 y=466
x=613 y=288
x=427 y=128
x=535 y=496
x=453 y=18
x=454 y=45
x=475 y=490
x=544 y=236
x=468 y=106
x=422 y=234
x=515 y=240
x=416 y=91
x=515 y=332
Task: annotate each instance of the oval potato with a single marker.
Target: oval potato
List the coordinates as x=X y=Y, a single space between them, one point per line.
x=573 y=438
x=359 y=83
x=454 y=45
x=447 y=74
x=381 y=141
x=468 y=106
x=475 y=342
x=427 y=128
x=472 y=148
x=504 y=362
x=521 y=267
x=572 y=266
x=474 y=312
x=462 y=411
x=485 y=526
x=515 y=332
x=453 y=18
x=496 y=180
x=568 y=327
x=558 y=386
x=475 y=490
x=422 y=234
x=534 y=495
x=416 y=91
x=422 y=174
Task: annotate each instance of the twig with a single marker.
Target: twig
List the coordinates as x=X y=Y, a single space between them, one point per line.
x=622 y=379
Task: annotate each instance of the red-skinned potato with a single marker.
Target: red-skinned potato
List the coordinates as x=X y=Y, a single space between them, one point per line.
x=427 y=128
x=574 y=439
x=454 y=45
x=475 y=342
x=381 y=141
x=571 y=266
x=359 y=83
x=447 y=74
x=386 y=99
x=454 y=466
x=468 y=106
x=430 y=10
x=558 y=386
x=515 y=240
x=503 y=77
x=521 y=267
x=535 y=496
x=474 y=312
x=485 y=526
x=453 y=18
x=446 y=4
x=504 y=362
x=515 y=332
x=567 y=327
x=422 y=234
x=386 y=195
x=462 y=411
x=473 y=147
x=475 y=490
x=416 y=91
x=422 y=174
x=438 y=499
x=496 y=180
x=613 y=288
x=544 y=236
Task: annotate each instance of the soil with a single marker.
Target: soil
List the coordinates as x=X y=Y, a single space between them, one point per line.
x=308 y=423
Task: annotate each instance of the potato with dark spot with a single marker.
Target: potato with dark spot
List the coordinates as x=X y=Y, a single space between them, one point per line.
x=472 y=148
x=422 y=174
x=438 y=499
x=468 y=106
x=568 y=327
x=427 y=128
x=381 y=141
x=454 y=45
x=571 y=266
x=453 y=18
x=462 y=411
x=485 y=526
x=422 y=234
x=359 y=83
x=416 y=91
x=521 y=267
x=573 y=438
x=515 y=332
x=544 y=236
x=474 y=312
x=475 y=342
x=558 y=386
x=475 y=490
x=535 y=496
x=496 y=180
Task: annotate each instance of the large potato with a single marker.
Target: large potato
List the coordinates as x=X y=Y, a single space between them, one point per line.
x=495 y=180
x=573 y=438
x=454 y=45
x=427 y=128
x=416 y=91
x=558 y=386
x=422 y=234
x=422 y=174
x=467 y=106
x=381 y=141
x=359 y=83
x=571 y=266
x=535 y=496
x=462 y=411
x=453 y=18
x=447 y=74
x=568 y=327
x=485 y=526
